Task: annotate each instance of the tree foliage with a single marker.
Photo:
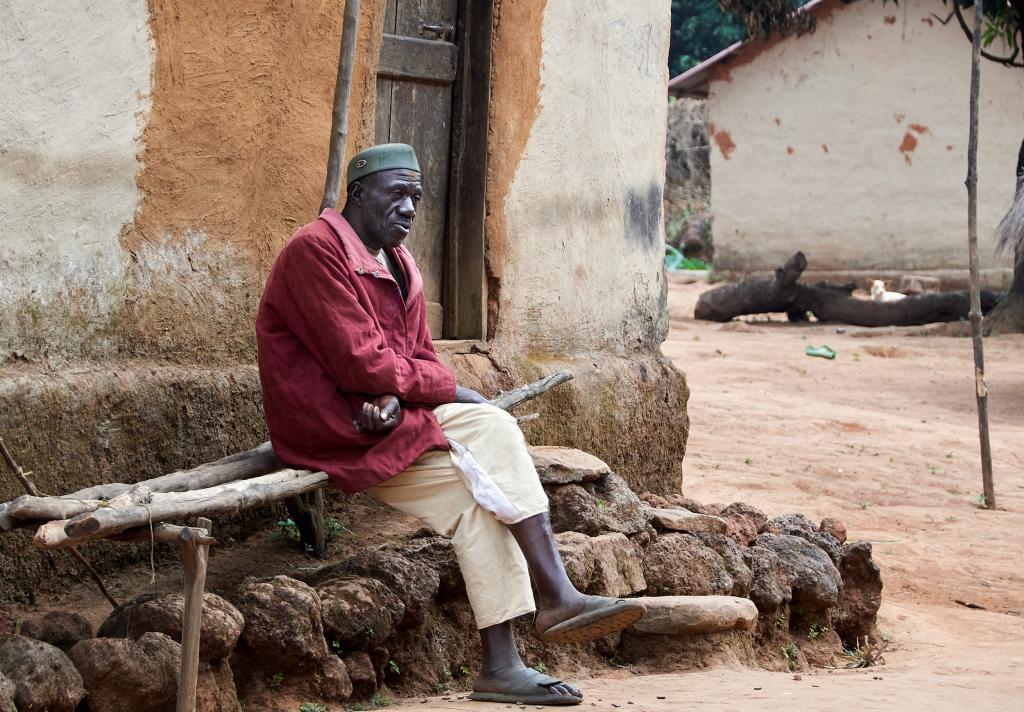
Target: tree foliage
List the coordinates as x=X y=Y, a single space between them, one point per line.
x=1002 y=37
x=700 y=29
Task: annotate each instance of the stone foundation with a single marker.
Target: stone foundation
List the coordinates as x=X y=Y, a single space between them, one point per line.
x=131 y=421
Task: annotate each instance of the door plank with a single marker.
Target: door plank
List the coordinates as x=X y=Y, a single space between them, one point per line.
x=412 y=58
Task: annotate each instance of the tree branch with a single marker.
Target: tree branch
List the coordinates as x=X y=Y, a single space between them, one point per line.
x=1007 y=61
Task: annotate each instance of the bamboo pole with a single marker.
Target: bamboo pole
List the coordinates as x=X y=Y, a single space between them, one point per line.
x=980 y=387
x=194 y=557
x=339 y=115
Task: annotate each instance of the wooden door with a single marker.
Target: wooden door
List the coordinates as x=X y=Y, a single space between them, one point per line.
x=415 y=83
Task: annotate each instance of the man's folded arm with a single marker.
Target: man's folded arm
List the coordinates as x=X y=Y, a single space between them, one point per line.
x=345 y=337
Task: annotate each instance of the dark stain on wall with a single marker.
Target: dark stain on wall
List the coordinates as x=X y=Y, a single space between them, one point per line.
x=642 y=217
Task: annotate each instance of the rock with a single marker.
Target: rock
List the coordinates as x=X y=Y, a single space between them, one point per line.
x=283 y=627
x=125 y=674
x=577 y=552
x=332 y=680
x=694 y=615
x=743 y=522
x=415 y=582
x=801 y=526
x=45 y=679
x=617 y=569
x=438 y=553
x=595 y=508
x=833 y=527
x=59 y=628
x=680 y=520
x=215 y=691
x=655 y=501
x=358 y=613
x=690 y=505
x=221 y=624
x=7 y=695
x=857 y=613
x=361 y=672
x=566 y=465
x=732 y=556
x=793 y=524
x=680 y=565
x=817 y=582
x=771 y=579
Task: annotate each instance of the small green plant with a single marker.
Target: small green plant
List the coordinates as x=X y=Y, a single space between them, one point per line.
x=933 y=469
x=865 y=505
x=312 y=707
x=791 y=654
x=287 y=529
x=464 y=670
x=865 y=654
x=601 y=504
x=748 y=460
x=856 y=355
x=336 y=646
x=335 y=529
x=368 y=631
x=816 y=631
x=981 y=501
x=374 y=703
x=949 y=455
x=393 y=667
x=275 y=680
x=540 y=667
x=780 y=621
x=616 y=661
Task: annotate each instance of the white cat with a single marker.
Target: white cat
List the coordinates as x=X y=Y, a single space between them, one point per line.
x=878 y=293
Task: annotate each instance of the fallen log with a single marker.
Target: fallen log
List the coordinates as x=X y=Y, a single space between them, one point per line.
x=227 y=499
x=831 y=303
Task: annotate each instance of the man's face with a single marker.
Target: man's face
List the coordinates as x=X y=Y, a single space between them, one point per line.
x=387 y=204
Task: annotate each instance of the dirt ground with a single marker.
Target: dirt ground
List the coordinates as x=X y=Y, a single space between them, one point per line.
x=884 y=438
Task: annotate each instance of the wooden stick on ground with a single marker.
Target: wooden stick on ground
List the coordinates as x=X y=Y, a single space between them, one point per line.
x=981 y=389
x=194 y=557
x=34 y=491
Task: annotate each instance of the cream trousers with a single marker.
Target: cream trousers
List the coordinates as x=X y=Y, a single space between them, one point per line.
x=486 y=480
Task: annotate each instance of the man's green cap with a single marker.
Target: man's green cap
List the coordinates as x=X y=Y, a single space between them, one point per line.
x=384 y=157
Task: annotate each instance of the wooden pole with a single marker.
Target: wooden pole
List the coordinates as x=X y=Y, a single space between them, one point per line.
x=339 y=116
x=194 y=556
x=980 y=387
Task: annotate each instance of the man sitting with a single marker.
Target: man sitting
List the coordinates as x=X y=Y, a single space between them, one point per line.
x=352 y=386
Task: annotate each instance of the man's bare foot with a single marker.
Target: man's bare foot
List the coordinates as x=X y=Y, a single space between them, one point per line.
x=585 y=618
x=517 y=683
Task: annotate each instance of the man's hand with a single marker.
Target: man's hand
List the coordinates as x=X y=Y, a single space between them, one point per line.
x=467 y=395
x=379 y=415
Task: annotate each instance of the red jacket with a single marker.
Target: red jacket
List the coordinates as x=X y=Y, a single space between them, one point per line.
x=333 y=331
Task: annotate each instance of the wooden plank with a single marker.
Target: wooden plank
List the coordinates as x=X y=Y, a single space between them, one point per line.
x=412 y=58
x=465 y=308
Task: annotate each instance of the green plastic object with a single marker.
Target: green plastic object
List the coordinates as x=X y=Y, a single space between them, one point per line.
x=822 y=351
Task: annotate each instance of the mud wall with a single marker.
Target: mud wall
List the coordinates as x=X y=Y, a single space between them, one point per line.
x=163 y=153
x=851 y=144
